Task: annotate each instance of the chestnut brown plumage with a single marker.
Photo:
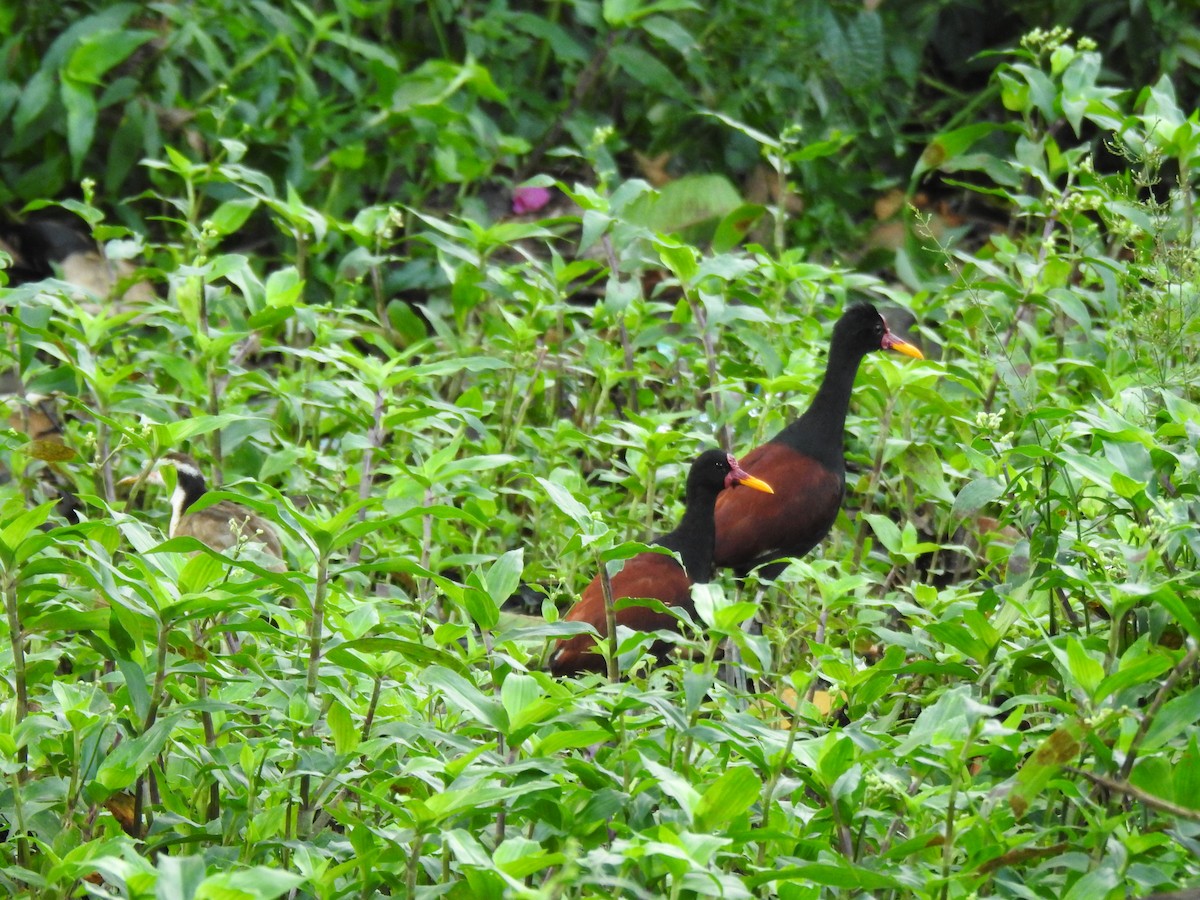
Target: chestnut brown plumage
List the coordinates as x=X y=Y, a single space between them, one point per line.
x=805 y=462
x=655 y=575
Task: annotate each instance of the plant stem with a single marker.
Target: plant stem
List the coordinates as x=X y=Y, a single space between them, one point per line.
x=776 y=774
x=725 y=435
x=316 y=628
x=365 y=478
x=414 y=856
x=885 y=424
x=1183 y=666
x=515 y=423
x=156 y=697
x=610 y=619
x=17 y=638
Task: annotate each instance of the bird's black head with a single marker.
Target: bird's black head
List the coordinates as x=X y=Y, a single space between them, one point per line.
x=715 y=470
x=709 y=470
x=862 y=330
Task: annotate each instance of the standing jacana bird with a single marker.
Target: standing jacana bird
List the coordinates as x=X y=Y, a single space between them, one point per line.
x=655 y=575
x=805 y=462
x=223 y=524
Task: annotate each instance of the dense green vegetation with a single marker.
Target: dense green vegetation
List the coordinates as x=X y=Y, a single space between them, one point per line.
x=984 y=683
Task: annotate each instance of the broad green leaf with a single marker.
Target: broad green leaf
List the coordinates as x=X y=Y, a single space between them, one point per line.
x=100 y=51
x=519 y=857
x=947 y=722
x=130 y=758
x=569 y=740
x=975 y=495
x=1100 y=882
x=951 y=144
x=567 y=504
x=342 y=727
x=673 y=785
x=80 y=104
x=1060 y=748
x=686 y=203
x=199 y=573
x=17 y=530
x=257 y=883
x=179 y=877
x=728 y=797
x=283 y=288
x=465 y=697
x=504 y=575
x=232 y=215
x=1173 y=719
x=1140 y=670
x=356 y=654
x=1085 y=671
x=887 y=531
x=848 y=876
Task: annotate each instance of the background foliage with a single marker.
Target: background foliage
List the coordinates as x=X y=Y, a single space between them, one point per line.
x=984 y=682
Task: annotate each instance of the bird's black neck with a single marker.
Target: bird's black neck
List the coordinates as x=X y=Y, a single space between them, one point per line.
x=189 y=487
x=819 y=432
x=695 y=538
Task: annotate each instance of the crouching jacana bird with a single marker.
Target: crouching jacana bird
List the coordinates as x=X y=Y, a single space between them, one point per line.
x=655 y=575
x=223 y=525
x=805 y=462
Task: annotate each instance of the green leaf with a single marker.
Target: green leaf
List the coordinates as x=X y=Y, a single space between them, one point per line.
x=1086 y=672
x=735 y=225
x=519 y=693
x=959 y=637
x=727 y=798
x=622 y=13
x=975 y=495
x=688 y=202
x=504 y=576
x=947 y=722
x=232 y=215
x=80 y=104
x=21 y=526
x=887 y=531
x=130 y=759
x=35 y=98
x=464 y=696
x=1187 y=775
x=199 y=573
x=570 y=740
x=257 y=883
x=100 y=51
x=179 y=877
x=1175 y=717
x=341 y=726
x=951 y=144
x=284 y=287
x=680 y=259
x=1138 y=670
x=566 y=503
x=482 y=609
x=1100 y=882
x=847 y=875
x=1057 y=750
x=351 y=655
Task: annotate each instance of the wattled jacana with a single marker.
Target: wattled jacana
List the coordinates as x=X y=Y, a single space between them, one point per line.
x=221 y=526
x=656 y=575
x=805 y=462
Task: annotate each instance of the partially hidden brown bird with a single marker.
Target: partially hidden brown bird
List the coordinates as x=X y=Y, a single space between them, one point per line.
x=223 y=525
x=657 y=576
x=805 y=462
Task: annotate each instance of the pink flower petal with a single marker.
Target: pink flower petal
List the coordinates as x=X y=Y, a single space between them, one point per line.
x=529 y=199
